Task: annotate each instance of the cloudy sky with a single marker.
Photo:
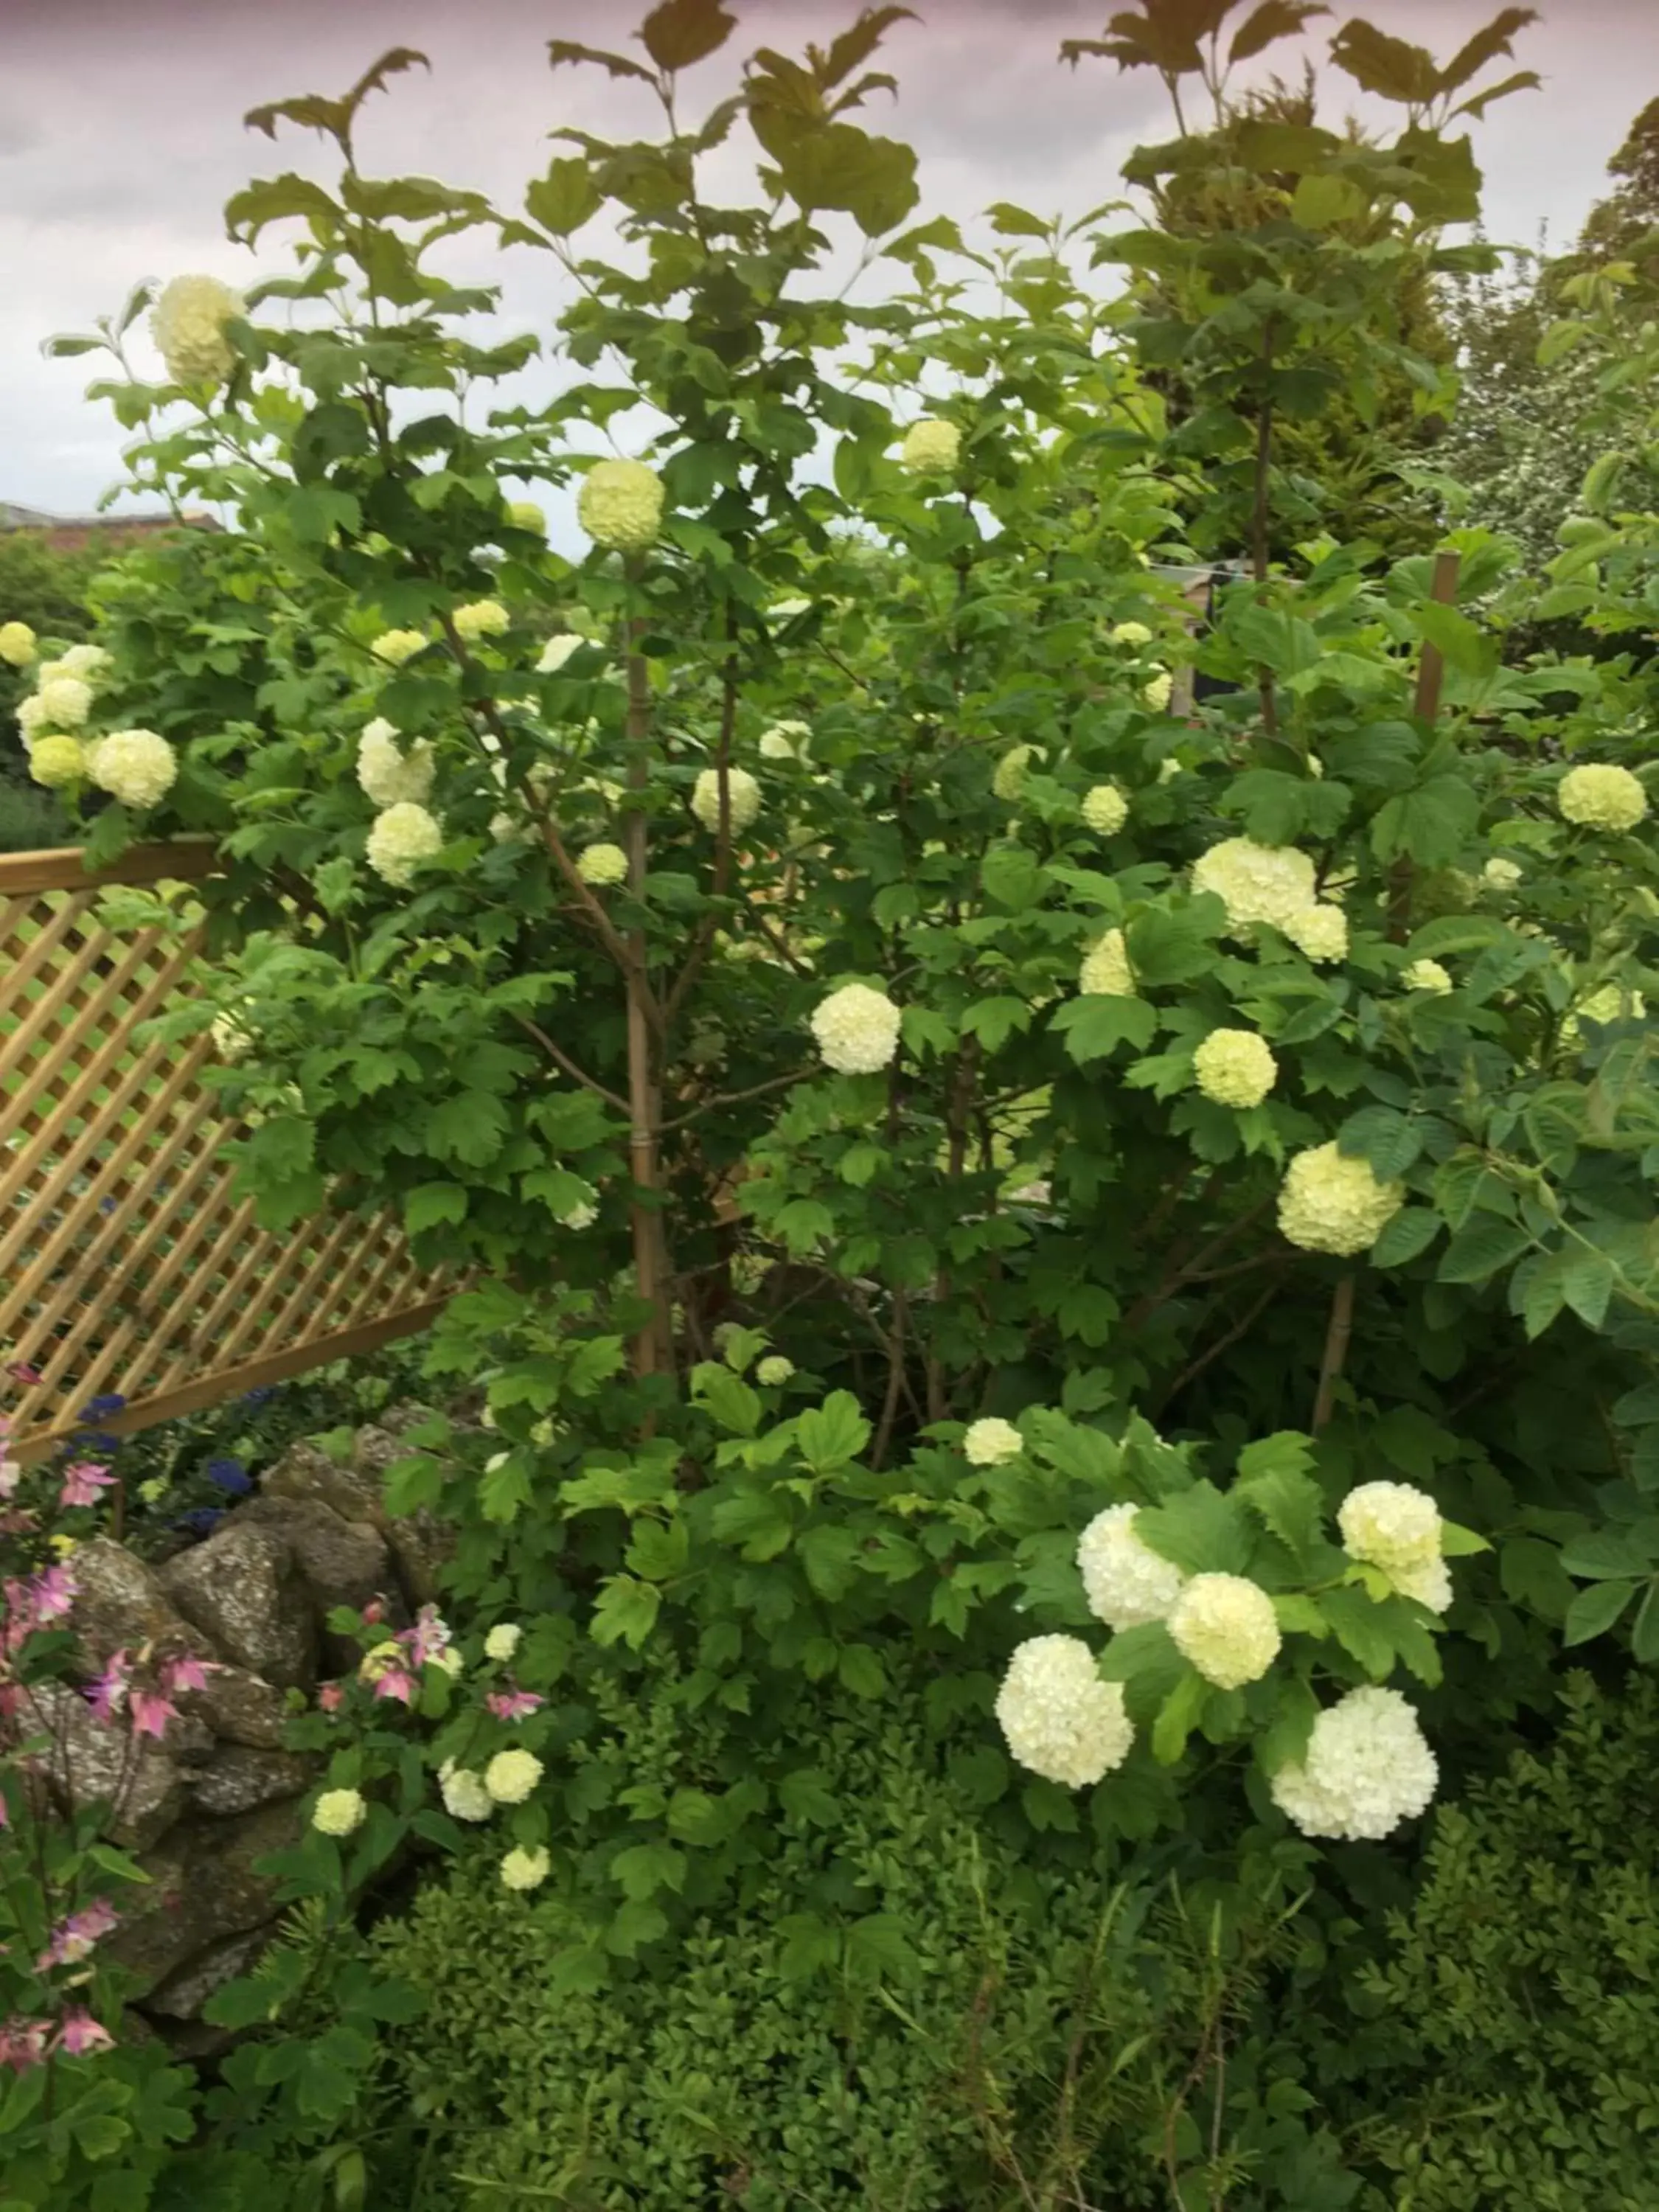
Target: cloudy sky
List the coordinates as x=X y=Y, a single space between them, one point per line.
x=121 y=136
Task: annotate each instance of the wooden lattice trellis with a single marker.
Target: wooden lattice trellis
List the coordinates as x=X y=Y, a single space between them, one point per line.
x=127 y=1264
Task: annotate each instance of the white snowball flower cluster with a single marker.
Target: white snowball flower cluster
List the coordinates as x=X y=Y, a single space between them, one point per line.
x=1131 y=633
x=1234 y=1068
x=1602 y=797
x=1105 y=970
x=1330 y=1203
x=480 y=618
x=1426 y=975
x=1367 y=1768
x=394 y=646
x=463 y=1793
x=604 y=864
x=503 y=1640
x=774 y=1371
x=65 y=701
x=188 y=326
x=1156 y=692
x=1127 y=1584
x=1008 y=777
x=339 y=1811
x=400 y=840
x=1226 y=1625
x=387 y=775
x=525 y=1869
x=743 y=798
x=620 y=505
x=931 y=448
x=1060 y=1720
x=1105 y=809
x=857 y=1030
x=582 y=1215
x=1320 y=932
x=1396 y=1526
x=137 y=767
x=1500 y=873
x=784 y=741
x=56 y=762
x=557 y=651
x=512 y=1775
x=525 y=514
x=16 y=644
x=991 y=1442
x=1255 y=883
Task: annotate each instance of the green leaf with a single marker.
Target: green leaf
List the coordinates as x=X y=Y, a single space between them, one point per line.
x=1094 y=1026
x=805 y=1796
x=682 y=31
x=831 y=1435
x=727 y=1397
x=1594 y=1611
x=879 y=1950
x=565 y=199
x=1179 y=1716
x=1405 y=1236
x=810 y=1946
x=1012 y=876
x=1010 y=221
x=1430 y=825
x=644 y=1868
x=1272 y=19
x=1201 y=1531
x=1460 y=643
x=626 y=1611
x=430 y=1203
x=1388 y=1139
x=1644 y=1636
x=1608 y=1552
x=861 y=1671
x=1272 y=1481
x=1587 y=1282
x=836 y=166
x=1481 y=1250
x=1362 y=1634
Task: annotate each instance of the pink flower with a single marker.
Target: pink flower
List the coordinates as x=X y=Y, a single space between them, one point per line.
x=80 y=2033
x=83 y=1482
x=395 y=1682
x=428 y=1636
x=151 y=1712
x=330 y=1696
x=374 y=1613
x=107 y=1695
x=23 y=1371
x=55 y=1589
x=186 y=1672
x=74 y=1938
x=22 y=2043
x=512 y=1705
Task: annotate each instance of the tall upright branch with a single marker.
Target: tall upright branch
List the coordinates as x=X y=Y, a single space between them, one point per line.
x=653 y=1347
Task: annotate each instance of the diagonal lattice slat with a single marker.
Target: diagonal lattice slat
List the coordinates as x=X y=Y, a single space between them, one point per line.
x=127 y=1263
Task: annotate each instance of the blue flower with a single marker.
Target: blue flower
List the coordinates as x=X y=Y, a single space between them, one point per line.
x=94 y=1440
x=99 y=1409
x=230 y=1475
x=200 y=1520
x=258 y=1396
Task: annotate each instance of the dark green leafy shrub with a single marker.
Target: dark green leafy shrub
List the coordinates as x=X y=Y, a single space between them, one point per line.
x=1529 y=1972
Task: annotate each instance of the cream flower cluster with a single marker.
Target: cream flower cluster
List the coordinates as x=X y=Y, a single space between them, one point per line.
x=480 y=618
x=525 y=514
x=503 y=1640
x=774 y=1371
x=1225 y=1624
x=137 y=767
x=1105 y=809
x=1008 y=777
x=931 y=448
x=1330 y=1203
x=387 y=775
x=1127 y=1585
x=339 y=1811
x=743 y=798
x=1105 y=970
x=857 y=1030
x=188 y=326
x=394 y=646
x=525 y=1869
x=65 y=700
x=464 y=1795
x=1130 y=633
x=401 y=839
x=1273 y=883
x=1500 y=873
x=1602 y=797
x=1156 y=692
x=603 y=865
x=1059 y=1719
x=991 y=1442
x=58 y=762
x=1320 y=932
x=1396 y=1526
x=784 y=741
x=557 y=651
x=16 y=644
x=1426 y=975
x=1366 y=1769
x=620 y=505
x=510 y=1776
x=1234 y=1068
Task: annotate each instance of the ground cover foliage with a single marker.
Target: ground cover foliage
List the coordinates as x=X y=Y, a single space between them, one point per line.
x=1064 y=1288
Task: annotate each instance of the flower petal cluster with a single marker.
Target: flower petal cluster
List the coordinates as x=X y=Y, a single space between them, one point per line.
x=620 y=505
x=503 y=1640
x=784 y=741
x=16 y=644
x=525 y=514
x=395 y=646
x=931 y=448
x=188 y=326
x=1156 y=692
x=401 y=839
x=1330 y=1203
x=1059 y=1719
x=1396 y=1526
x=604 y=865
x=1367 y=1768
x=1127 y=1584
x=1257 y=882
x=65 y=701
x=743 y=798
x=1601 y=797
x=557 y=651
x=1320 y=932
x=773 y=1369
x=1105 y=970
x=1008 y=776
x=463 y=1793
x=991 y=1442
x=480 y=618
x=857 y=1030
x=1426 y=975
x=339 y=1811
x=1130 y=633
x=1105 y=809
x=1501 y=873
x=1226 y=1625
x=512 y=1775
x=137 y=767
x=389 y=776
x=56 y=762
x=1234 y=1068
x=524 y=1869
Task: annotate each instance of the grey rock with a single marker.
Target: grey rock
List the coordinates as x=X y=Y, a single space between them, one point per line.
x=343 y=1562
x=238 y=1778
x=120 y=1602
x=245 y=1590
x=239 y=1708
x=204 y=1887
x=187 y=1988
x=357 y=1492
x=94 y=1762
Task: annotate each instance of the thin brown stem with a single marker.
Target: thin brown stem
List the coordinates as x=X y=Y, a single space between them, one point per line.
x=734 y=1098
x=895 y=1384
x=561 y=1059
x=1194 y=1368
x=704 y=936
x=654 y=1349
x=1338 y=1331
